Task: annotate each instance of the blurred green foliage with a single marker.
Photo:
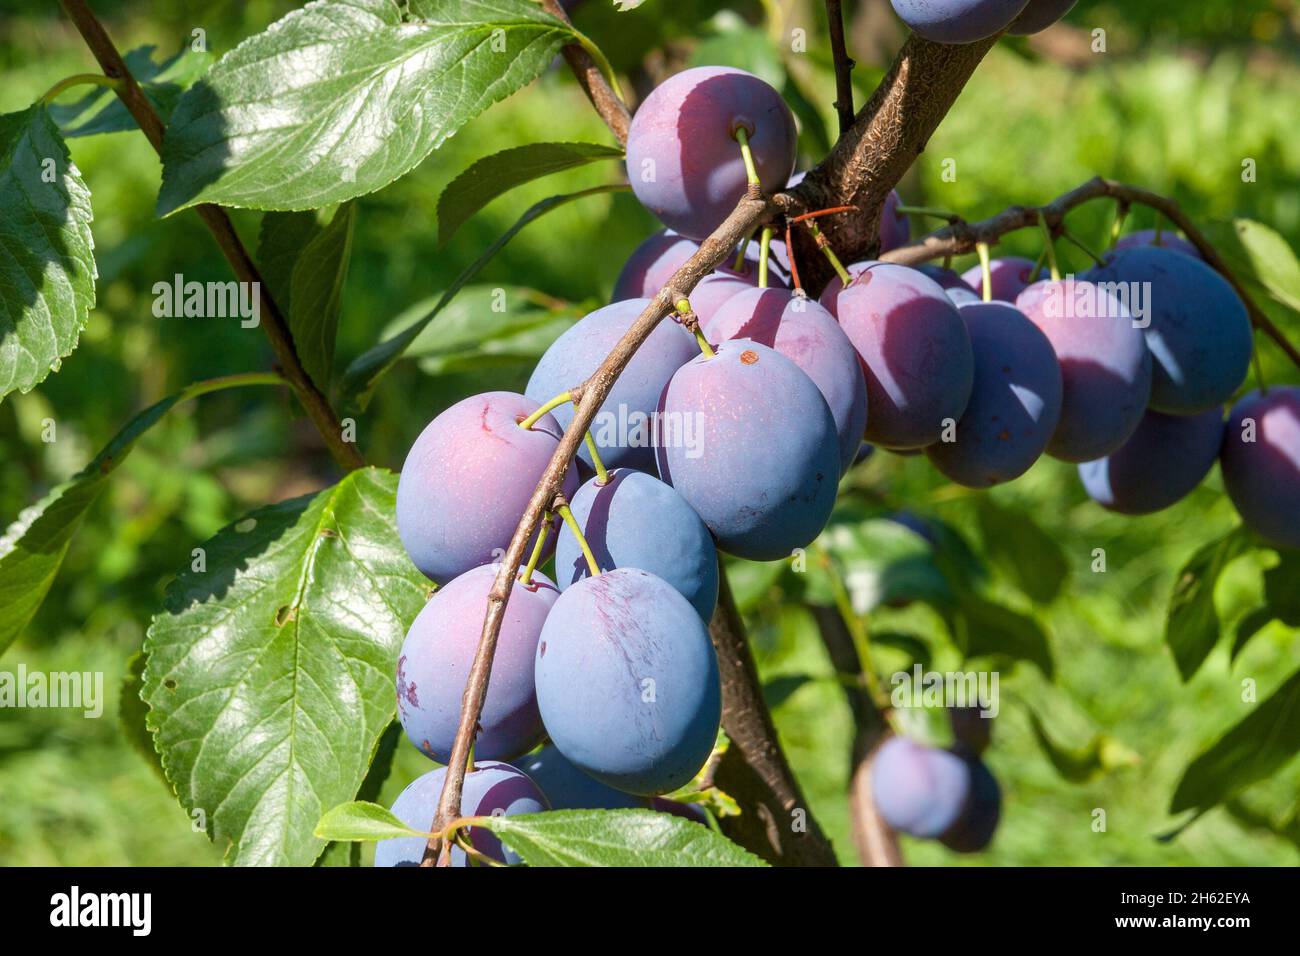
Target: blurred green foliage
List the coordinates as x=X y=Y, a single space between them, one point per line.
x=1186 y=93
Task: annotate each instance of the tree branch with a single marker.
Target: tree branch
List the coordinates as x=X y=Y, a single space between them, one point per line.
x=843 y=66
x=961 y=238
x=313 y=400
x=606 y=102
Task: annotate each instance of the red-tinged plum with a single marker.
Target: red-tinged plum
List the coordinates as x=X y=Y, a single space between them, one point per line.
x=491 y=789
x=809 y=336
x=683 y=159
x=636 y=521
x=1039 y=15
x=568 y=788
x=747 y=439
x=919 y=790
x=833 y=288
x=437 y=654
x=468 y=478
x=1165 y=240
x=713 y=291
x=1261 y=463
x=1008 y=278
x=979 y=817
x=627 y=682
x=915 y=351
x=958 y=21
x=622 y=427
x=1164 y=460
x=652 y=264
x=1015 y=400
x=1198 y=330
x=1105 y=365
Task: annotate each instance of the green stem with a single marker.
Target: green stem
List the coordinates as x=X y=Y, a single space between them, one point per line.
x=684 y=308
x=1051 y=247
x=554 y=403
x=829 y=253
x=210 y=385
x=606 y=69
x=750 y=170
x=739 y=264
x=764 y=252
x=982 y=248
x=1038 y=267
x=469 y=761
x=80 y=79
x=526 y=576
x=602 y=476
x=1078 y=244
x=572 y=522
x=1117 y=228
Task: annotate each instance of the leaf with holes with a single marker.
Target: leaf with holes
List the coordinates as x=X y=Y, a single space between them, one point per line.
x=342 y=97
x=270 y=670
x=47 y=259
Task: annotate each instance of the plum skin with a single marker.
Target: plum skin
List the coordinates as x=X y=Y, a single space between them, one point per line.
x=635 y=520
x=627 y=682
x=958 y=21
x=467 y=479
x=568 y=788
x=1263 y=477
x=1008 y=277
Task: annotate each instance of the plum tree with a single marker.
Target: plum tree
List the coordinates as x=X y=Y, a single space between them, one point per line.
x=1166 y=457
x=919 y=790
x=1199 y=332
x=491 y=788
x=1261 y=463
x=683 y=158
x=1105 y=365
x=915 y=351
x=652 y=264
x=1039 y=15
x=627 y=682
x=622 y=429
x=468 y=477
x=958 y=21
x=1165 y=240
x=761 y=497
x=1008 y=277
x=568 y=788
x=436 y=656
x=979 y=816
x=1015 y=399
x=636 y=521
x=809 y=336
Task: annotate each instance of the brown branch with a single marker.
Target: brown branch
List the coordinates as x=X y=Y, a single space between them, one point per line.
x=843 y=66
x=961 y=238
x=313 y=400
x=603 y=98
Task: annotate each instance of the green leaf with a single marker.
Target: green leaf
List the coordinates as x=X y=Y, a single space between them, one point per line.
x=1251 y=751
x=366 y=369
x=1025 y=553
x=47 y=260
x=1081 y=764
x=1259 y=256
x=494 y=175
x=361 y=821
x=614 y=838
x=1250 y=625
x=482 y=318
x=305 y=263
x=1282 y=588
x=101 y=111
x=1192 y=627
x=341 y=97
x=132 y=711
x=270 y=671
x=381 y=765
x=985 y=628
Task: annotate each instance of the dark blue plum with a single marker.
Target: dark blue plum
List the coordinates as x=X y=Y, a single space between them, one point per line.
x=435 y=661
x=1263 y=476
x=637 y=521
x=1015 y=401
x=958 y=21
x=627 y=682
x=652 y=264
x=1166 y=457
x=683 y=160
x=622 y=427
x=568 y=788
x=469 y=477
x=1199 y=333
x=492 y=788
x=1039 y=15
x=749 y=442
x=1105 y=365
x=809 y=336
x=915 y=351
x=1167 y=240
x=970 y=728
x=1008 y=278
x=919 y=790
x=947 y=278
x=979 y=817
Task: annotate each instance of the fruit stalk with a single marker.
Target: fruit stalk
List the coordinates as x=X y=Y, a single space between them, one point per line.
x=611 y=109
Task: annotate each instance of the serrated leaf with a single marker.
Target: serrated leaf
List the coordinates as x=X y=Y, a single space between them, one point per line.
x=366 y=369
x=494 y=175
x=381 y=765
x=1253 y=750
x=47 y=260
x=101 y=111
x=362 y=821
x=270 y=671
x=614 y=838
x=1192 y=626
x=1025 y=553
x=340 y=98
x=305 y=263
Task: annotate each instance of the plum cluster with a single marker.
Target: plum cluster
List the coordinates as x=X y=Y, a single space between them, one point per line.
x=966 y=21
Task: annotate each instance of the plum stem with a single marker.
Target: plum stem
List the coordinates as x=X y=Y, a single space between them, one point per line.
x=1050 y=242
x=692 y=322
x=553 y=404
x=80 y=79
x=526 y=577
x=572 y=523
x=751 y=172
x=1038 y=267
x=764 y=251
x=1078 y=244
x=739 y=264
x=820 y=238
x=602 y=476
x=986 y=270
x=469 y=761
